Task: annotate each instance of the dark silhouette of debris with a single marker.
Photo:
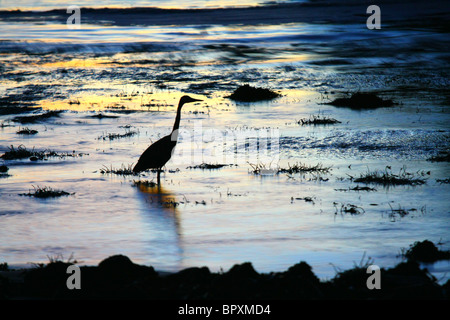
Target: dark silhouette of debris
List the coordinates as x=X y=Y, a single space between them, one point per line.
x=247 y=93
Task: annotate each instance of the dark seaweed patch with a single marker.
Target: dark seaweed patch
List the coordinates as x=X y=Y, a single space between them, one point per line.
x=122 y=171
x=103 y=116
x=46 y=192
x=145 y=183
x=247 y=93
x=304 y=168
x=317 y=120
x=426 y=251
x=21 y=152
x=114 y=136
x=206 y=166
x=387 y=178
x=441 y=157
x=27 y=131
x=362 y=100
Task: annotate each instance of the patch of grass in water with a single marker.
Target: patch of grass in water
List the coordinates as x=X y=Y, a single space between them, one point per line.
x=306 y=199
x=171 y=203
x=247 y=93
x=46 y=192
x=27 y=131
x=114 y=136
x=304 y=168
x=357 y=188
x=387 y=178
x=261 y=168
x=361 y=100
x=145 y=183
x=122 y=171
x=102 y=116
x=317 y=120
x=350 y=208
x=207 y=166
x=21 y=152
x=402 y=212
x=441 y=157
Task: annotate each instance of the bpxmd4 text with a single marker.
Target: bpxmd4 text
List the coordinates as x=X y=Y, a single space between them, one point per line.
x=232 y=309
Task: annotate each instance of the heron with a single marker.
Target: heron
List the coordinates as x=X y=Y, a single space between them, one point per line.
x=157 y=154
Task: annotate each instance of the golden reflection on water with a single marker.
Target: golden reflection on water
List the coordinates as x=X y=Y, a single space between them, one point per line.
x=126 y=98
x=78 y=63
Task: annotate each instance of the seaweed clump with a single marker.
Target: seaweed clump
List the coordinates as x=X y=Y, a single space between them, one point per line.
x=426 y=251
x=114 y=136
x=208 y=166
x=304 y=168
x=387 y=178
x=361 y=100
x=4 y=171
x=144 y=183
x=247 y=93
x=46 y=192
x=441 y=157
x=22 y=152
x=27 y=131
x=122 y=171
x=317 y=120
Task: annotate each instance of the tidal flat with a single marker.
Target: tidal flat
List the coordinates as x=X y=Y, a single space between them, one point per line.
x=99 y=96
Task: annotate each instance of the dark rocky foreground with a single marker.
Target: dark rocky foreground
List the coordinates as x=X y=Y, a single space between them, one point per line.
x=117 y=277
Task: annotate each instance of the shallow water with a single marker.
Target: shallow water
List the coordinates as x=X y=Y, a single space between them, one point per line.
x=228 y=215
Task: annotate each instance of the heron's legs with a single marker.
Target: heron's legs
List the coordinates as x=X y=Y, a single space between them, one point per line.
x=158 y=175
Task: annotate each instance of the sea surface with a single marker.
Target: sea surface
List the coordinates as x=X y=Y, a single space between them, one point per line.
x=132 y=65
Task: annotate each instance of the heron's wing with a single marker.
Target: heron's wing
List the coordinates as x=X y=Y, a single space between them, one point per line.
x=156 y=155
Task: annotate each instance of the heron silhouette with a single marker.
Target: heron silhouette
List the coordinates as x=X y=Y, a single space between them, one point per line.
x=157 y=155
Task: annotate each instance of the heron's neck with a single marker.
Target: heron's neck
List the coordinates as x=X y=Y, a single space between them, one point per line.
x=176 y=125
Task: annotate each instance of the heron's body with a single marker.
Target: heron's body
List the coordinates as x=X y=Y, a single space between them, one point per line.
x=157 y=155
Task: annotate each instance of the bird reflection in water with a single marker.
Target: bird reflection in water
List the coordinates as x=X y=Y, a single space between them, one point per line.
x=162 y=203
